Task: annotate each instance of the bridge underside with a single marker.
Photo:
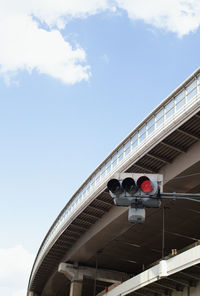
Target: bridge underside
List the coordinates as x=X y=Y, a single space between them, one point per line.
x=120 y=245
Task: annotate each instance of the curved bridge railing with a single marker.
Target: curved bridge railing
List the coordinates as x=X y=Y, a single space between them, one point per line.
x=174 y=106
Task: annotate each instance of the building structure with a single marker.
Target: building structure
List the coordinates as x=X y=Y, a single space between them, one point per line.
x=91 y=245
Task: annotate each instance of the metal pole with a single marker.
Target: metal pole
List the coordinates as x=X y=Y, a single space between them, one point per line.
x=163 y=233
x=95 y=280
x=175 y=194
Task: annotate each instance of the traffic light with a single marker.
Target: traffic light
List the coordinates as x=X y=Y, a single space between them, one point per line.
x=136 y=191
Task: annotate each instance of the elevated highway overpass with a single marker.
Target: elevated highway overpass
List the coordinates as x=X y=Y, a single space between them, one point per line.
x=91 y=244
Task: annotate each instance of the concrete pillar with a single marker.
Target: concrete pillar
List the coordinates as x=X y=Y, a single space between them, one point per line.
x=31 y=293
x=76 y=274
x=76 y=288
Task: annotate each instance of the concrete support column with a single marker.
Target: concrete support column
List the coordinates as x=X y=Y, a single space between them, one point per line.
x=31 y=293
x=76 y=274
x=76 y=288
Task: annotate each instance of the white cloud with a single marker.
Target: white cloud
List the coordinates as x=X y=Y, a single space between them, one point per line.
x=52 y=11
x=15 y=268
x=177 y=16
x=21 y=292
x=27 y=46
x=31 y=39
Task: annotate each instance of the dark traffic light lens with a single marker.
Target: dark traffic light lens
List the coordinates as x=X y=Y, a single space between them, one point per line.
x=114 y=186
x=129 y=185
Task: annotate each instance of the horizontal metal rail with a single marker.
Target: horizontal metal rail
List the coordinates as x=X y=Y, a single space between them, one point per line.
x=164 y=268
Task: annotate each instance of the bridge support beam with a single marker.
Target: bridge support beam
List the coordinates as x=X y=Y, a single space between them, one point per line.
x=76 y=274
x=73 y=272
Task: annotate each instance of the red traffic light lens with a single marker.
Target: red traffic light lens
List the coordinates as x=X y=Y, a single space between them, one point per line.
x=144 y=184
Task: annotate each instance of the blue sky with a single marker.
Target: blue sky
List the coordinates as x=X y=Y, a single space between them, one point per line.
x=55 y=127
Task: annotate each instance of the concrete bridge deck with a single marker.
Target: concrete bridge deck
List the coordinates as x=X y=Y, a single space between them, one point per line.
x=91 y=231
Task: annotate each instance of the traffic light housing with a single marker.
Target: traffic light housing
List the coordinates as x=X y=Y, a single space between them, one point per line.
x=136 y=191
